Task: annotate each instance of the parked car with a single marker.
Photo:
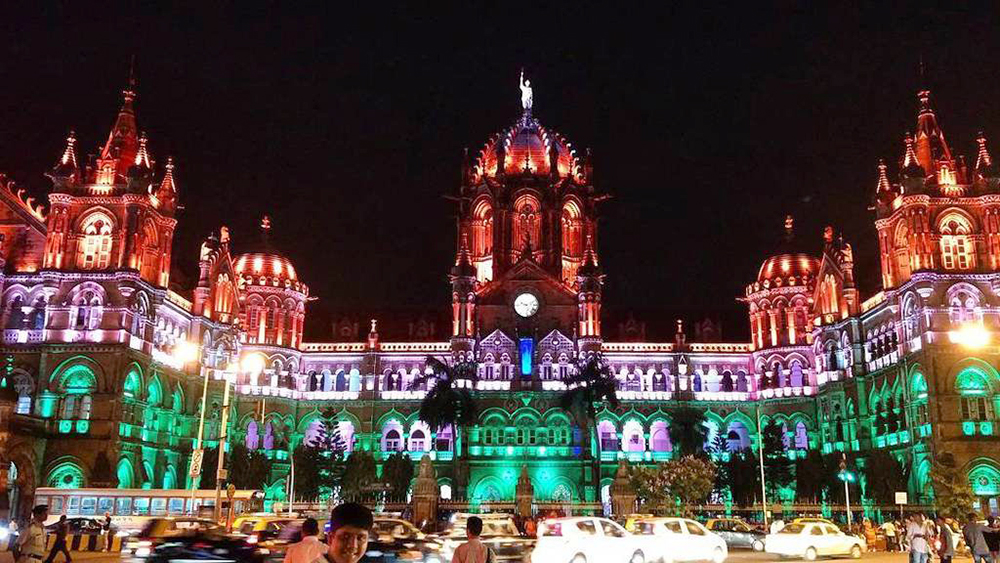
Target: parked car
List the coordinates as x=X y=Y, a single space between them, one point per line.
x=206 y=545
x=810 y=540
x=679 y=539
x=500 y=534
x=586 y=539
x=737 y=533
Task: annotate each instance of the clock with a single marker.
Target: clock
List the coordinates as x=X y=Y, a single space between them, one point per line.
x=526 y=304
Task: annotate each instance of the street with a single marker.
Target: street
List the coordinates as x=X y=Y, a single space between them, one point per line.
x=734 y=557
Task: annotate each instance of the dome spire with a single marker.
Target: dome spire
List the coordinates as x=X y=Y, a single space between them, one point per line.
x=883 y=178
x=142 y=155
x=66 y=167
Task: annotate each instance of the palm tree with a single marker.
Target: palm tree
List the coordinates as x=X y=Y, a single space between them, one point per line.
x=449 y=403
x=590 y=385
x=688 y=431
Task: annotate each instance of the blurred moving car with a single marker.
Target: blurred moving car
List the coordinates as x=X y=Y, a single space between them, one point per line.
x=159 y=530
x=79 y=526
x=396 y=528
x=206 y=545
x=387 y=549
x=737 y=533
x=810 y=540
x=500 y=534
x=679 y=539
x=262 y=528
x=586 y=539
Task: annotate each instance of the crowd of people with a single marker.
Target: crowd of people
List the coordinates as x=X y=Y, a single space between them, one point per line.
x=926 y=538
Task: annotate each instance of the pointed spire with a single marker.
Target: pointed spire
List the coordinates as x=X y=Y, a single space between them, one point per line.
x=142 y=155
x=166 y=194
x=123 y=143
x=883 y=179
x=589 y=266
x=983 y=160
x=67 y=167
x=911 y=167
x=930 y=144
x=463 y=262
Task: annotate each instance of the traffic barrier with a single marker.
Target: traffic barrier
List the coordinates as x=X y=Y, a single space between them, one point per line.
x=86 y=542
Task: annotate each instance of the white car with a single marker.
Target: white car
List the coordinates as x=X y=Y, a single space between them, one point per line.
x=586 y=540
x=810 y=540
x=679 y=539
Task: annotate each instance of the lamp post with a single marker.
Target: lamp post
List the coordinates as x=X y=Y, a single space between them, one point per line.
x=252 y=364
x=185 y=353
x=760 y=455
x=847 y=477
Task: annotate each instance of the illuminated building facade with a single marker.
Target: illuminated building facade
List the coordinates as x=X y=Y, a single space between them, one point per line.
x=107 y=359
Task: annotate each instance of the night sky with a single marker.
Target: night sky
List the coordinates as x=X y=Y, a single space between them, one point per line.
x=347 y=128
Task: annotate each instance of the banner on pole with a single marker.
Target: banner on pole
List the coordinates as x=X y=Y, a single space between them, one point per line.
x=901 y=497
x=197 y=456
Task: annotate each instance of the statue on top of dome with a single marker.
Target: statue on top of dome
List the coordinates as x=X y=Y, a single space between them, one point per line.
x=525 y=93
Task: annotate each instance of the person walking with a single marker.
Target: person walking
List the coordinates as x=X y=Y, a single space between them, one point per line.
x=992 y=537
x=309 y=549
x=889 y=529
x=31 y=544
x=973 y=532
x=917 y=535
x=946 y=549
x=350 y=524
x=473 y=550
x=62 y=530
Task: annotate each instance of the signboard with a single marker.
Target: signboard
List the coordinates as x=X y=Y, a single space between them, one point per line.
x=197 y=457
x=377 y=488
x=901 y=497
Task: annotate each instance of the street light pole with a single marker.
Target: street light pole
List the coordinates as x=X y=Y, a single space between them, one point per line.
x=196 y=478
x=760 y=454
x=223 y=436
x=847 y=503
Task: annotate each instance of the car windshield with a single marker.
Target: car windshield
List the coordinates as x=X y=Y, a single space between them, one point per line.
x=792 y=529
x=644 y=529
x=499 y=528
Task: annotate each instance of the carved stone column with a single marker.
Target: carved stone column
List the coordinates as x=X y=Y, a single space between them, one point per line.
x=425 y=494
x=622 y=493
x=524 y=493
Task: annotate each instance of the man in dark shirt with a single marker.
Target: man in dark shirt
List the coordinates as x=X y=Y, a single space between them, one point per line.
x=62 y=529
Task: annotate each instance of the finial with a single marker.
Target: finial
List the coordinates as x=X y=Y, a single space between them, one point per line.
x=69 y=155
x=129 y=92
x=168 y=178
x=374 y=325
x=265 y=224
x=983 y=160
x=925 y=101
x=910 y=157
x=789 y=227
x=883 y=178
x=142 y=156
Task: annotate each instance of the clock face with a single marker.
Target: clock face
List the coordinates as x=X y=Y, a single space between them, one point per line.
x=526 y=305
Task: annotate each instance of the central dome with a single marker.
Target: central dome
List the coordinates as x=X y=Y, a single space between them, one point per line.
x=527 y=147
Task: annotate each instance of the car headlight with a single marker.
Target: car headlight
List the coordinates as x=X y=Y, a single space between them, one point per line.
x=4 y=533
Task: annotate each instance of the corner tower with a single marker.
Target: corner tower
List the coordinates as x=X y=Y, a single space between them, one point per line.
x=115 y=212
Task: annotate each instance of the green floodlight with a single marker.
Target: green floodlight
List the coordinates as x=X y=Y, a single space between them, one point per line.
x=847 y=476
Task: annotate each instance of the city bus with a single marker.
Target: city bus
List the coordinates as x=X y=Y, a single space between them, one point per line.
x=131 y=508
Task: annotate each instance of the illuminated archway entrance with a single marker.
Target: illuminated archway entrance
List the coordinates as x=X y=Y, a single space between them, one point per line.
x=985 y=482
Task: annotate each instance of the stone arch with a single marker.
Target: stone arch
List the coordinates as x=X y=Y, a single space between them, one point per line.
x=984 y=477
x=125 y=473
x=66 y=472
x=133 y=383
x=562 y=489
x=490 y=489
x=74 y=367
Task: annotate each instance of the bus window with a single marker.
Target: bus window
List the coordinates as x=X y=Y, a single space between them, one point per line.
x=74 y=506
x=41 y=501
x=56 y=505
x=123 y=506
x=88 y=506
x=159 y=506
x=106 y=504
x=176 y=506
x=141 y=506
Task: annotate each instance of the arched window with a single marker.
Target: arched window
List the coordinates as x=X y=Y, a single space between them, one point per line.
x=608 y=436
x=801 y=436
x=902 y=251
x=268 y=436
x=253 y=438
x=15 y=313
x=314 y=432
x=635 y=441
x=797 y=379
x=977 y=395
x=659 y=437
x=526 y=224
x=738 y=437
x=149 y=254
x=77 y=383
x=393 y=441
x=418 y=440
x=572 y=240
x=445 y=492
x=66 y=475
x=94 y=245
x=957 y=249
x=482 y=240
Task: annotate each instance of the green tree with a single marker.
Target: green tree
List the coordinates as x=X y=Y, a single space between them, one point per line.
x=311 y=481
x=777 y=466
x=952 y=491
x=743 y=478
x=449 y=402
x=209 y=466
x=810 y=473
x=248 y=469
x=688 y=432
x=590 y=385
x=359 y=474
x=885 y=475
x=649 y=490
x=397 y=473
x=689 y=480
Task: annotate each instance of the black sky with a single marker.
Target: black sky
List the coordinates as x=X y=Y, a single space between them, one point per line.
x=707 y=125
